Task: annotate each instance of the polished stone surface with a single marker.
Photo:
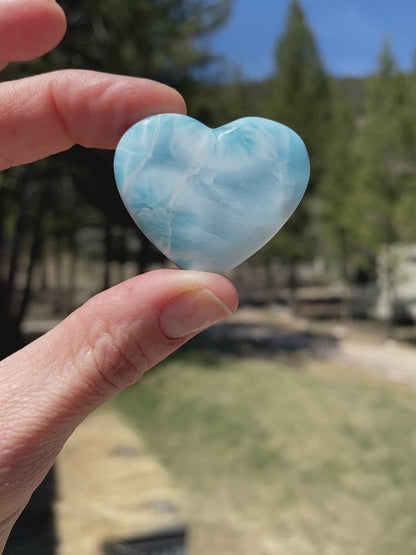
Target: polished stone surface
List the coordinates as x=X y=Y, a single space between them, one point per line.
x=210 y=198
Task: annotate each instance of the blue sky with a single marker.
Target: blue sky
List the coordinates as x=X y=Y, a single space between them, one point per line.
x=349 y=33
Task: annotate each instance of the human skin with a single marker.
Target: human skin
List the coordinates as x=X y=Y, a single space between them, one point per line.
x=50 y=386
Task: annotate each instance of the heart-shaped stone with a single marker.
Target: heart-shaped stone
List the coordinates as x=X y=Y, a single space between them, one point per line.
x=210 y=198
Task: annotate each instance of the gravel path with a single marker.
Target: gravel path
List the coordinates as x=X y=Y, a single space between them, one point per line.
x=392 y=361
x=388 y=359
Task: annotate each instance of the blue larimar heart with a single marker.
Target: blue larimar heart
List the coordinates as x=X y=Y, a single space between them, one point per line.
x=210 y=198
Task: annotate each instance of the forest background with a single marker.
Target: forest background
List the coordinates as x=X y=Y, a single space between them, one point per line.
x=360 y=133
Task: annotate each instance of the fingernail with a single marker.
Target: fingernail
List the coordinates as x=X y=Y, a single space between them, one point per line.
x=190 y=312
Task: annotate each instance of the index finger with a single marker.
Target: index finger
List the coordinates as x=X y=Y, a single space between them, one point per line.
x=29 y=28
x=49 y=113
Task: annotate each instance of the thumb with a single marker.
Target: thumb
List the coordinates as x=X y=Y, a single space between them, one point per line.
x=49 y=387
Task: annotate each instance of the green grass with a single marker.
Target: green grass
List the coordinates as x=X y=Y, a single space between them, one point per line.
x=298 y=457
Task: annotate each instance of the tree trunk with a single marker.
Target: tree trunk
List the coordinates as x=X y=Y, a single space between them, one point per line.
x=34 y=531
x=3 y=276
x=35 y=251
x=58 y=289
x=122 y=254
x=147 y=255
x=72 y=274
x=391 y=297
x=13 y=303
x=44 y=283
x=346 y=312
x=107 y=256
x=293 y=287
x=271 y=274
x=2 y=239
x=143 y=255
x=121 y=272
x=11 y=338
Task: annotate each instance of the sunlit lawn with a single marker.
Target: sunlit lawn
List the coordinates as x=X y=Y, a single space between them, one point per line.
x=289 y=457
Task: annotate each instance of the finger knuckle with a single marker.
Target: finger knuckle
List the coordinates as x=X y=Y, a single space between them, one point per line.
x=116 y=359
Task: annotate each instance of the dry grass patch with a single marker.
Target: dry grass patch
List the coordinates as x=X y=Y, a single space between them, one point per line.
x=296 y=457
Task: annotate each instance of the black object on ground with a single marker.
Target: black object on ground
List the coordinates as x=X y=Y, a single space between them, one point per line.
x=169 y=541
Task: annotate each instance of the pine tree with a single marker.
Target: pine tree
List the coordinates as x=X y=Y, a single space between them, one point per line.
x=299 y=91
x=336 y=184
x=381 y=184
x=406 y=206
x=299 y=97
x=334 y=217
x=157 y=39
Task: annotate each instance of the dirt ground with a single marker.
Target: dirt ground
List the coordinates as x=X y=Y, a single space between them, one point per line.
x=366 y=349
x=392 y=361
x=109 y=486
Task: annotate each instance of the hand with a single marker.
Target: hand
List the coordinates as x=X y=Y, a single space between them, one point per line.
x=50 y=386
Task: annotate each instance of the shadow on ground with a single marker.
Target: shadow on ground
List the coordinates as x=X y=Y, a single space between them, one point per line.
x=34 y=532
x=263 y=340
